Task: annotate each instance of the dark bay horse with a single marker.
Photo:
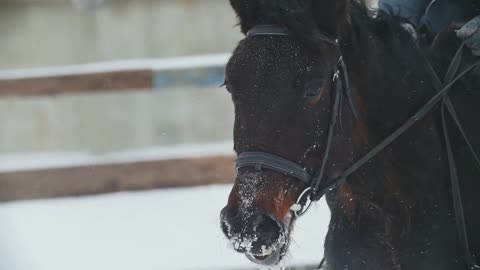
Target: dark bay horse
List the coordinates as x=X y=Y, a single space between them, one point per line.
x=295 y=107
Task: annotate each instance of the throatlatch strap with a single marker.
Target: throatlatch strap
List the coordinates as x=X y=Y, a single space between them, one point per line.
x=331 y=129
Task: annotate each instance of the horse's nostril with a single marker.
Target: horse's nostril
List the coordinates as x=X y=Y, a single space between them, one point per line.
x=267 y=229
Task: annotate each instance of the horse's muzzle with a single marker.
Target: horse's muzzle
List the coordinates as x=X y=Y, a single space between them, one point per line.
x=261 y=237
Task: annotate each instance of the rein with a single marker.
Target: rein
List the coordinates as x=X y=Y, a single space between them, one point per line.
x=340 y=81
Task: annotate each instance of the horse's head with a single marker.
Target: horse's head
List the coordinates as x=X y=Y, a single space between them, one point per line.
x=282 y=84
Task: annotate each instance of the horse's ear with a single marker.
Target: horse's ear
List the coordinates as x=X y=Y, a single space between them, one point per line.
x=236 y=5
x=331 y=15
x=241 y=8
x=256 y=12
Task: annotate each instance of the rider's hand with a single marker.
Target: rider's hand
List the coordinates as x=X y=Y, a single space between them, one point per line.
x=470 y=32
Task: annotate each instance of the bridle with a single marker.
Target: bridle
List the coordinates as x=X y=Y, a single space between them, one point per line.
x=260 y=160
x=314 y=191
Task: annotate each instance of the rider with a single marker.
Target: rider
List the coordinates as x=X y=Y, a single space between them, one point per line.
x=434 y=15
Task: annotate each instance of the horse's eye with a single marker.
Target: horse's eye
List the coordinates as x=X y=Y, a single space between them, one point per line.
x=313 y=91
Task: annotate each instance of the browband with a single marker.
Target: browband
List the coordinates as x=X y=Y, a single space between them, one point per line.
x=278 y=30
x=267 y=30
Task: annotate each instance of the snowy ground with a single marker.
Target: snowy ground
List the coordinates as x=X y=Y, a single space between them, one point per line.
x=168 y=229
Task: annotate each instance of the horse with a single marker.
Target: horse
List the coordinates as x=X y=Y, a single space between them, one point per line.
x=316 y=85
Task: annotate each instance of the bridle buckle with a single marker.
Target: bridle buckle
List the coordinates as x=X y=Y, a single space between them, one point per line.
x=299 y=208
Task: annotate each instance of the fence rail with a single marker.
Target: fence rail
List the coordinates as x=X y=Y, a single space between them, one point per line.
x=124 y=75
x=188 y=165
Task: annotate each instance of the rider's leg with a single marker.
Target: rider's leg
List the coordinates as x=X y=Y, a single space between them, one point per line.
x=411 y=10
x=443 y=12
x=438 y=13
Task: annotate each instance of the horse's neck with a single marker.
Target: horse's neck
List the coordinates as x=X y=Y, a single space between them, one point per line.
x=399 y=201
x=390 y=85
x=390 y=81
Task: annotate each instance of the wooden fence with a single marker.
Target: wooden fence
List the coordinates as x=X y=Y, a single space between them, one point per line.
x=76 y=180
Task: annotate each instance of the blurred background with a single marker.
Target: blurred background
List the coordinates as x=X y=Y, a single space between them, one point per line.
x=116 y=137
